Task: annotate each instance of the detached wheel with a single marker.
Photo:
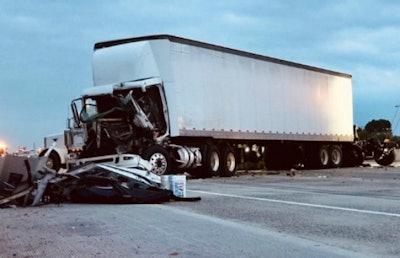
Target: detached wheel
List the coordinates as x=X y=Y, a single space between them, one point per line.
x=335 y=156
x=385 y=158
x=159 y=159
x=228 y=167
x=212 y=162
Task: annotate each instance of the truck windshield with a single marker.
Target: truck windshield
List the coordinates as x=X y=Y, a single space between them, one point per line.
x=135 y=107
x=101 y=107
x=89 y=110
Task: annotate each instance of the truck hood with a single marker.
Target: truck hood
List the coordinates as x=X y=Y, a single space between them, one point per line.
x=99 y=90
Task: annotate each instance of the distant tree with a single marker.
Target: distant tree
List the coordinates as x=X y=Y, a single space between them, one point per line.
x=396 y=140
x=378 y=126
x=377 y=129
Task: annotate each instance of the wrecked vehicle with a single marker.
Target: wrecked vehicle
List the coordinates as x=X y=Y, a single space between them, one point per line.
x=383 y=153
x=186 y=106
x=87 y=183
x=16 y=177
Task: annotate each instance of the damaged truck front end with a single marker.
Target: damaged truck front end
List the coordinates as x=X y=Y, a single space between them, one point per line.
x=87 y=183
x=129 y=117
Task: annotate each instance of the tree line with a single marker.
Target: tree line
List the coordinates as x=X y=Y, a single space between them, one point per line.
x=379 y=130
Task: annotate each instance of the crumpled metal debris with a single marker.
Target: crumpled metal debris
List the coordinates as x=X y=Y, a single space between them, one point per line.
x=88 y=183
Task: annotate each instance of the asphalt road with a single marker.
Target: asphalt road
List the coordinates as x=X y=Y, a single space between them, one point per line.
x=352 y=212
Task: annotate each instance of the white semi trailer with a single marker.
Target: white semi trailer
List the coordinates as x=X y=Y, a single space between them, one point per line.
x=188 y=105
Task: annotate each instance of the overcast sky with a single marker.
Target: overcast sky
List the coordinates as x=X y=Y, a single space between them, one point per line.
x=46 y=48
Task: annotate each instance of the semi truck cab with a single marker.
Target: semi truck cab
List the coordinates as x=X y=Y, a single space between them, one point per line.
x=129 y=117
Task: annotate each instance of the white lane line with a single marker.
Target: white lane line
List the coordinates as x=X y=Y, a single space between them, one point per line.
x=300 y=204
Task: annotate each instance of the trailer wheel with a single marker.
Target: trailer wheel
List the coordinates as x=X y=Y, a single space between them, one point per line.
x=212 y=164
x=335 y=156
x=322 y=158
x=228 y=162
x=158 y=158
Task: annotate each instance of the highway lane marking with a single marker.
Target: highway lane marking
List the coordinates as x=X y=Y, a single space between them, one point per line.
x=300 y=204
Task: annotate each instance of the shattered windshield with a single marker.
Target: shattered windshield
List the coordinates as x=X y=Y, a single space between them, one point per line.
x=138 y=107
x=89 y=110
x=106 y=106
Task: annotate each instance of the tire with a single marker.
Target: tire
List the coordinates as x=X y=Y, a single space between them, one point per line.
x=212 y=162
x=53 y=160
x=385 y=158
x=353 y=156
x=322 y=157
x=335 y=156
x=159 y=159
x=228 y=161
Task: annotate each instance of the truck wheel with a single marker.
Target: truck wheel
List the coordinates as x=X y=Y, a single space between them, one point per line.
x=385 y=158
x=212 y=163
x=322 y=158
x=228 y=162
x=53 y=160
x=158 y=158
x=335 y=156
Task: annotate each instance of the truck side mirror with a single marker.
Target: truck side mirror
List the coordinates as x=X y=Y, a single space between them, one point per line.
x=75 y=114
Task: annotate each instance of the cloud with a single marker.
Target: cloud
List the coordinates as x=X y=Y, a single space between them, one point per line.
x=239 y=20
x=365 y=40
x=350 y=46
x=46 y=46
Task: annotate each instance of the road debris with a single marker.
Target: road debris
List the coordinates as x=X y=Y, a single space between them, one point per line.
x=87 y=183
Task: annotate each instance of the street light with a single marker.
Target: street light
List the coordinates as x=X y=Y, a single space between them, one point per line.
x=394 y=117
x=3 y=148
